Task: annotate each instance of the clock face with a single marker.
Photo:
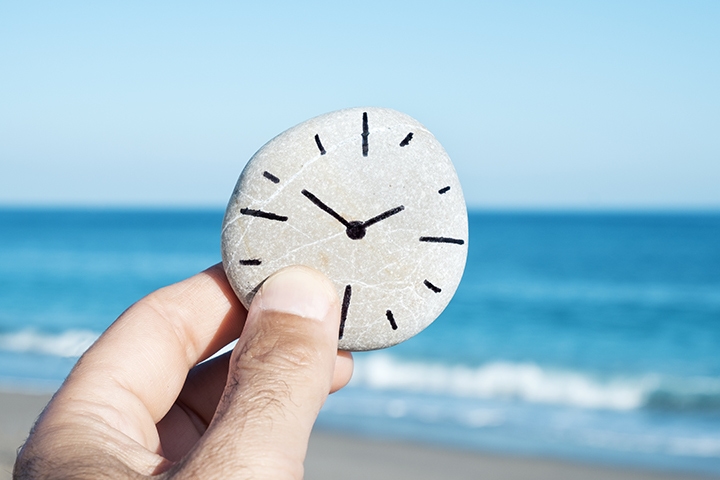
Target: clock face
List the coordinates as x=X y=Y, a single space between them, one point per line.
x=368 y=197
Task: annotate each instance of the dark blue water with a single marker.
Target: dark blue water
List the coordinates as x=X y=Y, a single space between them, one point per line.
x=590 y=336
x=612 y=294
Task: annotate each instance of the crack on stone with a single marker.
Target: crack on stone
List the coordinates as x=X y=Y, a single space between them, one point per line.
x=307 y=245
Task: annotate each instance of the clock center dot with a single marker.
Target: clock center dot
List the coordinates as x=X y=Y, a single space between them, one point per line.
x=355 y=230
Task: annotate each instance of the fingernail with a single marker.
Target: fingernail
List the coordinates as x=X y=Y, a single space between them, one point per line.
x=298 y=291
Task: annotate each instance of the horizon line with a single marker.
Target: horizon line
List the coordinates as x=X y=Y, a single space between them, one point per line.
x=524 y=209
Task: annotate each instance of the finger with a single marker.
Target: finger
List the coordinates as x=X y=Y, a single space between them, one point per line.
x=280 y=373
x=343 y=370
x=130 y=378
x=206 y=382
x=189 y=417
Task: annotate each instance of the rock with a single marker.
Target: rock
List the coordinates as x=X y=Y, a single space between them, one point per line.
x=368 y=197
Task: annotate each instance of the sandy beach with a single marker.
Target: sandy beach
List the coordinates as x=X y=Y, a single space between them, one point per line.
x=17 y=414
x=338 y=456
x=332 y=456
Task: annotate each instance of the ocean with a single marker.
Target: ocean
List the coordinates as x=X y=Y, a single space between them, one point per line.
x=587 y=336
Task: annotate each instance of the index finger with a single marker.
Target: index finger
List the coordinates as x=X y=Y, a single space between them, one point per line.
x=138 y=366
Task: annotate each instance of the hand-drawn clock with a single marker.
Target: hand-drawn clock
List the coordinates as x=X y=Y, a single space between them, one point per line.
x=370 y=198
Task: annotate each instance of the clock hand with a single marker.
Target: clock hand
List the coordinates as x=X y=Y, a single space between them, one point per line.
x=383 y=216
x=356 y=230
x=325 y=208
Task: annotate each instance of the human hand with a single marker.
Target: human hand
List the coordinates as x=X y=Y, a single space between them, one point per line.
x=137 y=403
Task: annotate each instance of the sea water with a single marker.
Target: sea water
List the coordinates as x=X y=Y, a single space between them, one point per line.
x=585 y=336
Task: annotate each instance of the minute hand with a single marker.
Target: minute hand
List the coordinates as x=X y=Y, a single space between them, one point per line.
x=383 y=216
x=325 y=208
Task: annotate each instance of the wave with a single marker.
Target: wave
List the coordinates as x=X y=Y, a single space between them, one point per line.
x=526 y=382
x=698 y=394
x=70 y=343
x=706 y=444
x=529 y=382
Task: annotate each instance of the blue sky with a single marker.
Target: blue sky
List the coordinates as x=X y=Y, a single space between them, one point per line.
x=568 y=105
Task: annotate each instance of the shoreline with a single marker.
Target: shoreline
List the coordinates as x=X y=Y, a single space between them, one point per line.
x=333 y=455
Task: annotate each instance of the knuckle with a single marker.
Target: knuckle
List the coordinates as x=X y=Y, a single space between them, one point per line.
x=286 y=346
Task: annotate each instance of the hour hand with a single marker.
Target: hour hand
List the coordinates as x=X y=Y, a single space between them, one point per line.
x=383 y=216
x=325 y=208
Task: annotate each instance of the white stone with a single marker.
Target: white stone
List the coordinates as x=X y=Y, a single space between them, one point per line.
x=402 y=273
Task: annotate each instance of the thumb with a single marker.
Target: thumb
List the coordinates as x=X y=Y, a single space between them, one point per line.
x=281 y=372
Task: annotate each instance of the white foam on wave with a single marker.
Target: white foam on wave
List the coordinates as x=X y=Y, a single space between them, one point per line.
x=70 y=343
x=703 y=445
x=523 y=381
